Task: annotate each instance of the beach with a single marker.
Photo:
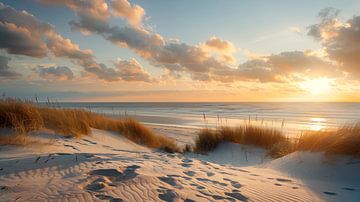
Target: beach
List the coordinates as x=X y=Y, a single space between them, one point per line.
x=107 y=167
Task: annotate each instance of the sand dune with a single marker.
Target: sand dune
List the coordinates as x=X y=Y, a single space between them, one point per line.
x=108 y=167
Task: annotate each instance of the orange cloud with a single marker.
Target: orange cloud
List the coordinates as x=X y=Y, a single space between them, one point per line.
x=134 y=14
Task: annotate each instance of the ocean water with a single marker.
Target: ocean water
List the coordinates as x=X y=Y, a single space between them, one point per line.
x=292 y=118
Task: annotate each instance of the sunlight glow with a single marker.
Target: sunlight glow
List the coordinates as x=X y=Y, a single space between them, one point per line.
x=317 y=124
x=317 y=86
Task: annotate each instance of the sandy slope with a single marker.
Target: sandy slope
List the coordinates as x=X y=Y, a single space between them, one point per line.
x=106 y=166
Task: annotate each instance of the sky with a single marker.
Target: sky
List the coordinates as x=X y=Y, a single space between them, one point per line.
x=180 y=51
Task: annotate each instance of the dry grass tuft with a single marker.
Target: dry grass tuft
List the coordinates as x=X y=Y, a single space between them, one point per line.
x=268 y=138
x=25 y=117
x=21 y=117
x=134 y=131
x=344 y=140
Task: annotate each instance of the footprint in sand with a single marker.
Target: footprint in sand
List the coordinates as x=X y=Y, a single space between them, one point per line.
x=171 y=181
x=116 y=175
x=233 y=183
x=348 y=189
x=209 y=174
x=237 y=196
x=330 y=193
x=168 y=195
x=186 y=165
x=283 y=180
x=95 y=186
x=189 y=173
x=278 y=184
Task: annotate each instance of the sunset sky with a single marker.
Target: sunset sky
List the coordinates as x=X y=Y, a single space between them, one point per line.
x=205 y=50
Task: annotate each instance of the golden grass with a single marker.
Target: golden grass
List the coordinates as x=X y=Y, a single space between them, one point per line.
x=21 y=117
x=65 y=121
x=134 y=131
x=268 y=138
x=25 y=117
x=344 y=140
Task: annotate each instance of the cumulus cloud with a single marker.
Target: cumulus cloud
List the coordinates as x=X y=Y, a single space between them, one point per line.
x=60 y=73
x=201 y=62
x=132 y=71
x=5 y=71
x=277 y=68
x=23 y=34
x=222 y=47
x=174 y=56
x=341 y=41
x=134 y=14
x=93 y=14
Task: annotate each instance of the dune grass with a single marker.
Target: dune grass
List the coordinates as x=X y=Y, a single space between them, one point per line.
x=267 y=138
x=344 y=140
x=24 y=117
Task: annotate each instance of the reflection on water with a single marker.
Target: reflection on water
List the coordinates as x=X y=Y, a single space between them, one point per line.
x=317 y=123
x=291 y=118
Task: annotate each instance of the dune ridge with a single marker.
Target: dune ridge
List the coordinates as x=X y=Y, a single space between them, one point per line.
x=109 y=167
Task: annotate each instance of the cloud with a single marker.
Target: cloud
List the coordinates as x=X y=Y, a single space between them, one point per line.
x=279 y=68
x=174 y=56
x=93 y=14
x=210 y=61
x=132 y=71
x=5 y=71
x=295 y=29
x=222 y=47
x=341 y=41
x=328 y=27
x=60 y=73
x=134 y=14
x=23 y=34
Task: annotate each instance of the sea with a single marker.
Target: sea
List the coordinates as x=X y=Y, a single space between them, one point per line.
x=293 y=118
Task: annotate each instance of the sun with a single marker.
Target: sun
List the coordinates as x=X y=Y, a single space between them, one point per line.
x=316 y=86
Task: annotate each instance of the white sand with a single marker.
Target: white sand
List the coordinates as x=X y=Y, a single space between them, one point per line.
x=109 y=167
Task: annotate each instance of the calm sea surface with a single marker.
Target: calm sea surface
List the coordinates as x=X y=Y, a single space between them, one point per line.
x=292 y=118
